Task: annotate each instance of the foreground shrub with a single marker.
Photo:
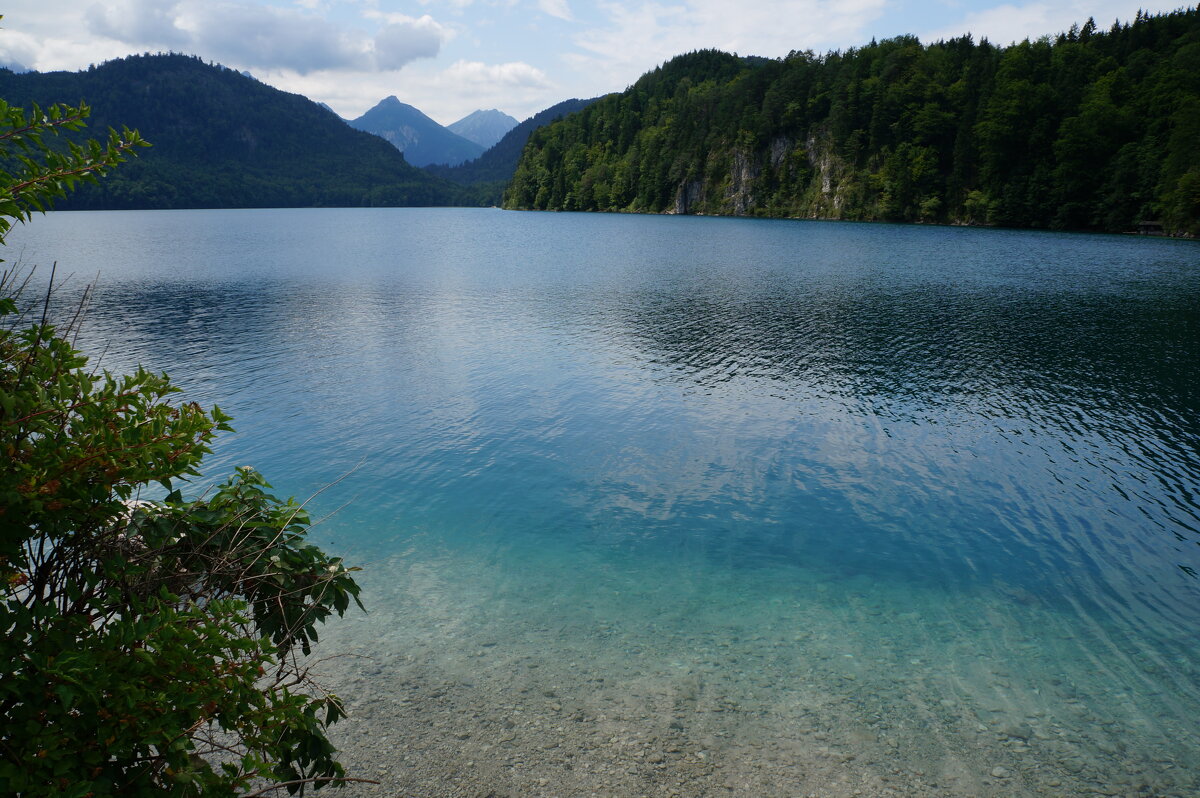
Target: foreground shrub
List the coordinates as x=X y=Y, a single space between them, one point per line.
x=146 y=647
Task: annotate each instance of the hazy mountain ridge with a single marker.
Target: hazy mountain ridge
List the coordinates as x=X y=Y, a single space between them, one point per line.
x=223 y=140
x=1097 y=129
x=492 y=171
x=422 y=140
x=484 y=127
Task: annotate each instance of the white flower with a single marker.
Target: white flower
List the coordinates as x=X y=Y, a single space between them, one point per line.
x=274 y=558
x=333 y=569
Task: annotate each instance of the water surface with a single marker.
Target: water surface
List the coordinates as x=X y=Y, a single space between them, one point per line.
x=709 y=506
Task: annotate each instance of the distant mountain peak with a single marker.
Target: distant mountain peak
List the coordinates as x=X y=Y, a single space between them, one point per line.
x=422 y=140
x=485 y=128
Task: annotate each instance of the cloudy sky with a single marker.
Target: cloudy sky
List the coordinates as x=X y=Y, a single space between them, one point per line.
x=449 y=57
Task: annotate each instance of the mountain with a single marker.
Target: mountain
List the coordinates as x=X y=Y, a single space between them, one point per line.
x=422 y=140
x=484 y=128
x=490 y=172
x=1095 y=129
x=223 y=140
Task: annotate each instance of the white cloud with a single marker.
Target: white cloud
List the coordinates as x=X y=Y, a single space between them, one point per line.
x=639 y=34
x=245 y=34
x=266 y=37
x=402 y=42
x=19 y=51
x=455 y=4
x=1001 y=25
x=397 y=18
x=1011 y=22
x=137 y=22
x=556 y=8
x=476 y=73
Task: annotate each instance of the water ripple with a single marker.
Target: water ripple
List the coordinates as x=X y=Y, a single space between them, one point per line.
x=990 y=419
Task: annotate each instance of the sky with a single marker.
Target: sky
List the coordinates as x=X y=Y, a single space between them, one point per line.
x=451 y=57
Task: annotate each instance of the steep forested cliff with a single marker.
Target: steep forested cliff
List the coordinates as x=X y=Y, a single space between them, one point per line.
x=224 y=140
x=1097 y=129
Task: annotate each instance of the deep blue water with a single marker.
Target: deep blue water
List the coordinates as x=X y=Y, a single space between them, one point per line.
x=710 y=412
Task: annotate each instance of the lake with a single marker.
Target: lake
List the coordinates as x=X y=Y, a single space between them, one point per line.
x=698 y=506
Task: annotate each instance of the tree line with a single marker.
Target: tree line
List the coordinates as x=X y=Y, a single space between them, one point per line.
x=1096 y=129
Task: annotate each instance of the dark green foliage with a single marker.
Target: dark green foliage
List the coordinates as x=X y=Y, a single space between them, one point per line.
x=146 y=647
x=34 y=174
x=487 y=175
x=1093 y=130
x=224 y=140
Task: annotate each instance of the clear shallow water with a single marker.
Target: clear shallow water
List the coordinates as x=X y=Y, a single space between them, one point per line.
x=776 y=493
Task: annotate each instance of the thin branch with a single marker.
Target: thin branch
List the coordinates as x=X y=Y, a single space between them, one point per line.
x=285 y=784
x=76 y=323
x=61 y=174
x=43 y=122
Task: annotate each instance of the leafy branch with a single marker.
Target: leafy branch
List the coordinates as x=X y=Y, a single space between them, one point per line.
x=147 y=647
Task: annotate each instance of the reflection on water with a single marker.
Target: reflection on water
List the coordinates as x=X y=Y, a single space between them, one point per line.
x=752 y=469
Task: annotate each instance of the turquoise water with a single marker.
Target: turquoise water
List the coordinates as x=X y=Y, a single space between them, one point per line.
x=715 y=506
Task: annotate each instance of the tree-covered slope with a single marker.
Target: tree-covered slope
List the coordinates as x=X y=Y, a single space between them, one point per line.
x=1093 y=130
x=224 y=140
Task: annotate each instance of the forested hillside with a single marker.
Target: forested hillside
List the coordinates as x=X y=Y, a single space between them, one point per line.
x=222 y=139
x=1097 y=129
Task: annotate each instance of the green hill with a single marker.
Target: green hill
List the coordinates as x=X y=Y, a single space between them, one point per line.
x=1097 y=129
x=224 y=140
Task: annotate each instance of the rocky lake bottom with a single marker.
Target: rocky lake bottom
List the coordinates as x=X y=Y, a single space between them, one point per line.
x=463 y=682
